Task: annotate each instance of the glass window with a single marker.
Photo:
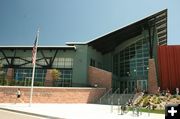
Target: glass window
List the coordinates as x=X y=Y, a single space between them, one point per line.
x=115 y=64
x=93 y=63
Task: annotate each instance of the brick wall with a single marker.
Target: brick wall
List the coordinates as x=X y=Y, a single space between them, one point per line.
x=48 y=78
x=100 y=77
x=10 y=74
x=51 y=94
x=152 y=78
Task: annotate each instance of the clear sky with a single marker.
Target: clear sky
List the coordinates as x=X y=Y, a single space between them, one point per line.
x=62 y=21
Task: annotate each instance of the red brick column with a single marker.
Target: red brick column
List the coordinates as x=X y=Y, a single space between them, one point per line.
x=48 y=78
x=10 y=74
x=152 y=78
x=100 y=77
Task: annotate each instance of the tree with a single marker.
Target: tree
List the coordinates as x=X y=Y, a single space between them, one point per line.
x=56 y=74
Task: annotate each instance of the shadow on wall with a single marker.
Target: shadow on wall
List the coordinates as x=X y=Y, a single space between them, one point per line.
x=95 y=95
x=99 y=78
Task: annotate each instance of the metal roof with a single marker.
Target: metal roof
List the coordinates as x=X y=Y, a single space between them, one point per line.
x=108 y=42
x=76 y=43
x=39 y=47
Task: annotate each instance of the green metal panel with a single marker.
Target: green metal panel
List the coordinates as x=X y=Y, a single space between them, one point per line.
x=80 y=66
x=107 y=61
x=95 y=55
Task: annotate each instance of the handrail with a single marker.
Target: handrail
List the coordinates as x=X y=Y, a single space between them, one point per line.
x=112 y=98
x=116 y=91
x=107 y=93
x=125 y=90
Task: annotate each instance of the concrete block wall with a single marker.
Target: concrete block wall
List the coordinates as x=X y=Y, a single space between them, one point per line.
x=51 y=94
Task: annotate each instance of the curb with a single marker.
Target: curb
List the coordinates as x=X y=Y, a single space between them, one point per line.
x=29 y=113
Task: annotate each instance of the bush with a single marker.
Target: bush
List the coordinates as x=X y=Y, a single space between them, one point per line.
x=3 y=82
x=145 y=102
x=139 y=102
x=154 y=106
x=178 y=97
x=173 y=96
x=12 y=83
x=153 y=99
x=38 y=83
x=157 y=100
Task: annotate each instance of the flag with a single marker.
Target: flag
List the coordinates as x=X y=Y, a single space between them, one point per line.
x=34 y=51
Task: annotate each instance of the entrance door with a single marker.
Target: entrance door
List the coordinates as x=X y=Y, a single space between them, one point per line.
x=142 y=85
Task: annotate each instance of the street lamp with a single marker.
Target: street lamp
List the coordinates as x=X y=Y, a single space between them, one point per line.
x=128 y=73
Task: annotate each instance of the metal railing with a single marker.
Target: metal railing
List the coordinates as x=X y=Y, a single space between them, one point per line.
x=125 y=91
x=112 y=100
x=106 y=95
x=116 y=92
x=123 y=101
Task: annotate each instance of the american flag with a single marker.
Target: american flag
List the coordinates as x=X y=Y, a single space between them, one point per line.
x=34 y=51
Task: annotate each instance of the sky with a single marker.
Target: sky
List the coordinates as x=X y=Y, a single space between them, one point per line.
x=63 y=21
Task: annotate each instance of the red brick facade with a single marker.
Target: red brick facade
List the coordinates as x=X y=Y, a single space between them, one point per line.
x=100 y=77
x=10 y=74
x=52 y=94
x=152 y=78
x=48 y=78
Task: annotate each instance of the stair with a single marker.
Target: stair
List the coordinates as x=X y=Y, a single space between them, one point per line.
x=113 y=99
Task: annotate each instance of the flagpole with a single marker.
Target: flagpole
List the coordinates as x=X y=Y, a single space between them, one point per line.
x=34 y=66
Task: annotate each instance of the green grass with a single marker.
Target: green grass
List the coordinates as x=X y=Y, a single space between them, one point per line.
x=152 y=111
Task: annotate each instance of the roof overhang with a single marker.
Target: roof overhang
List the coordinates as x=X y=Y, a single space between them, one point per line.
x=108 y=42
x=39 y=47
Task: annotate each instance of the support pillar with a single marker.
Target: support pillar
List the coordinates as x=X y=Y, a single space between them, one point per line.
x=10 y=74
x=48 y=78
x=152 y=78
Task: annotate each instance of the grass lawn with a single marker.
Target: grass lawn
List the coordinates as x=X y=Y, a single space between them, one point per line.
x=152 y=111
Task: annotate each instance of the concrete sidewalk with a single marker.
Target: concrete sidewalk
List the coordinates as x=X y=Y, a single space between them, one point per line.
x=74 y=111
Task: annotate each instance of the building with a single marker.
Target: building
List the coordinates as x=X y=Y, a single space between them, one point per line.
x=130 y=53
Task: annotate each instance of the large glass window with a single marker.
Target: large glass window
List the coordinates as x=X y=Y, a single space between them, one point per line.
x=131 y=63
x=65 y=79
x=25 y=76
x=92 y=62
x=115 y=64
x=63 y=63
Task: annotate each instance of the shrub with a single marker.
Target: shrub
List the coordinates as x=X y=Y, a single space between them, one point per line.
x=157 y=100
x=12 y=82
x=145 y=102
x=178 y=97
x=56 y=74
x=173 y=96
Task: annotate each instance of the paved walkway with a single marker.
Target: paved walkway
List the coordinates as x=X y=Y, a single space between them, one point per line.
x=14 y=115
x=74 y=111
